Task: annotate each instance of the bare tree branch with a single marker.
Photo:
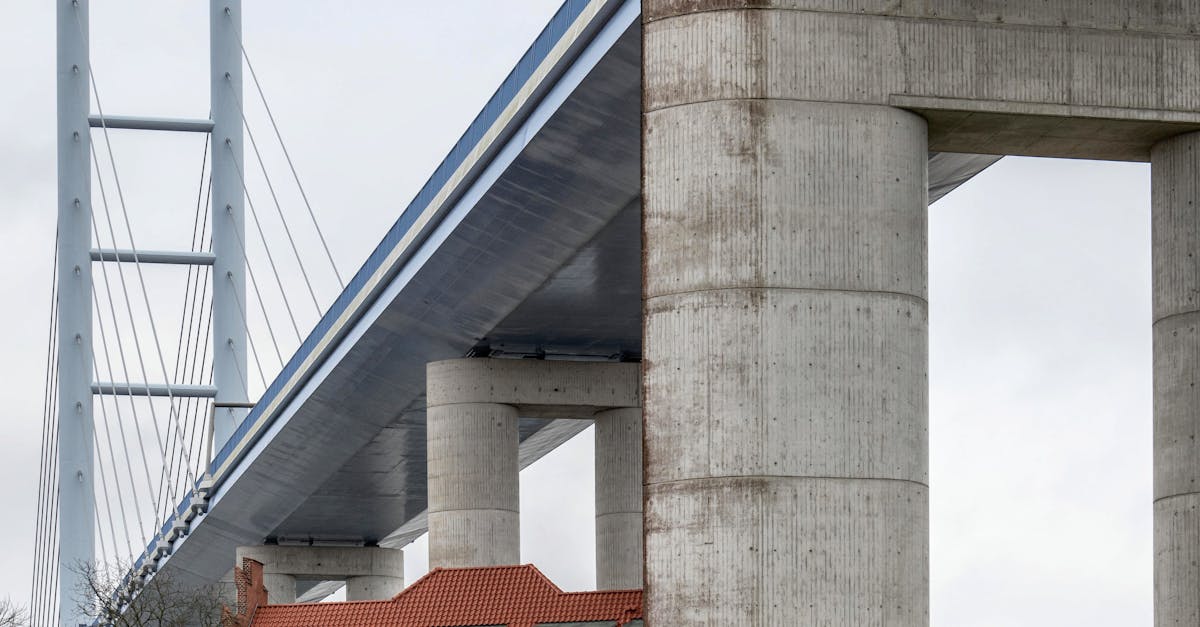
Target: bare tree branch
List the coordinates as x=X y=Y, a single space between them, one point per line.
x=12 y=615
x=161 y=601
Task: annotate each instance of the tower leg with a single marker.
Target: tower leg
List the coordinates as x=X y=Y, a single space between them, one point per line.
x=76 y=496
x=229 y=220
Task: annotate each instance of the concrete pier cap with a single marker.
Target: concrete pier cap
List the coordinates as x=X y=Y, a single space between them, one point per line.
x=370 y=573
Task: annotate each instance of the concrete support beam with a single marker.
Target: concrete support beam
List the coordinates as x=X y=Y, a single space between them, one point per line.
x=1176 y=332
x=370 y=573
x=538 y=387
x=619 y=499
x=474 y=502
x=1101 y=79
x=785 y=347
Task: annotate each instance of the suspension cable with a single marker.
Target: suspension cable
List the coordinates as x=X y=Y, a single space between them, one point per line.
x=271 y=116
x=249 y=338
x=137 y=509
x=278 y=208
x=262 y=303
x=121 y=344
x=112 y=528
x=237 y=166
x=133 y=246
x=40 y=535
x=120 y=419
x=138 y=268
x=188 y=319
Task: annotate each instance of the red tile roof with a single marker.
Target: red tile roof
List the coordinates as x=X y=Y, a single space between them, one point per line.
x=517 y=596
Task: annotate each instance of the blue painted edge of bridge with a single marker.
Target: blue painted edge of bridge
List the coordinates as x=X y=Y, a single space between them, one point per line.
x=550 y=36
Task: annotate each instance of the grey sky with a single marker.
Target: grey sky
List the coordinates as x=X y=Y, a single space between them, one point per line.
x=1039 y=286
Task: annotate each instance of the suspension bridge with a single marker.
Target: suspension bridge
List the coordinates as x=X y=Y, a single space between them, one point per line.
x=513 y=303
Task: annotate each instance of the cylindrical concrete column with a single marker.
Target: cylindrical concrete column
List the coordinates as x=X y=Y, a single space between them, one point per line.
x=281 y=588
x=1176 y=255
x=474 y=504
x=373 y=587
x=619 y=499
x=785 y=349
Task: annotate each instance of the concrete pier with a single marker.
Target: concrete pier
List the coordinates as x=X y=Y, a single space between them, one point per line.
x=474 y=502
x=1176 y=255
x=785 y=346
x=473 y=405
x=370 y=573
x=619 y=499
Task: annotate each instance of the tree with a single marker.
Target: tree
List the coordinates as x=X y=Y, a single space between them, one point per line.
x=159 y=602
x=12 y=615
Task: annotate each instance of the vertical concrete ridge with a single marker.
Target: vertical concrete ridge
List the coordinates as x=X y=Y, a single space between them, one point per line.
x=1175 y=227
x=784 y=225
x=1175 y=233
x=792 y=551
x=785 y=324
x=474 y=500
x=825 y=384
x=1176 y=555
x=618 y=460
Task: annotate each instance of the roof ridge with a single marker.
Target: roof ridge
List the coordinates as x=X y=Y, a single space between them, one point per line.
x=544 y=578
x=620 y=591
x=324 y=603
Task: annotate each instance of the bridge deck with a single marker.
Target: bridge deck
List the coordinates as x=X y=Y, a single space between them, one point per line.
x=525 y=241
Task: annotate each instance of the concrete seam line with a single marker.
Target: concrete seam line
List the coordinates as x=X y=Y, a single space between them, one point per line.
x=1172 y=496
x=1181 y=314
x=841 y=103
x=900 y=295
x=933 y=21
x=816 y=478
x=517 y=406
x=474 y=509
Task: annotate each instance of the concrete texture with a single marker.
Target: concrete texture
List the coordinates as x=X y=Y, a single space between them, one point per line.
x=281 y=588
x=370 y=573
x=373 y=588
x=998 y=77
x=785 y=347
x=1176 y=262
x=619 y=499
x=540 y=388
x=472 y=422
x=474 y=503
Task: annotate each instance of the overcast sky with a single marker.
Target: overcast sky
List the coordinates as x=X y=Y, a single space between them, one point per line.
x=1039 y=287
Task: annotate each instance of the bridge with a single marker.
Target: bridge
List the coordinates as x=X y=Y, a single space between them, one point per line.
x=547 y=277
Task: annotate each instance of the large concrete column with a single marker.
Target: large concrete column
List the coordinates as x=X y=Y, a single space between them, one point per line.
x=474 y=503
x=281 y=588
x=619 y=499
x=785 y=348
x=1176 y=253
